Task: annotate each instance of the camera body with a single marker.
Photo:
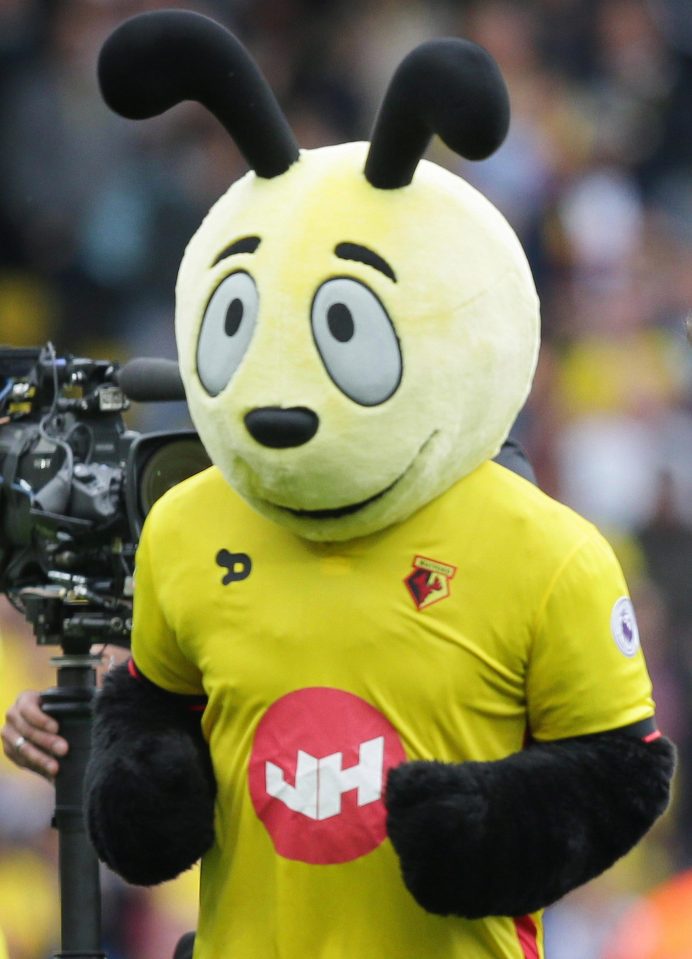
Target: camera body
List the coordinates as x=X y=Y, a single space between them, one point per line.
x=75 y=487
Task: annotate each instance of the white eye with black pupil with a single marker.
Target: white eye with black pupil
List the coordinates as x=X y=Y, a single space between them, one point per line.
x=227 y=328
x=356 y=340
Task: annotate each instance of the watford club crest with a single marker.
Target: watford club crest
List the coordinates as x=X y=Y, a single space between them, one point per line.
x=428 y=581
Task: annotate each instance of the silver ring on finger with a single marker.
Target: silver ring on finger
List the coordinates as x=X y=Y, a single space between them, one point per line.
x=18 y=743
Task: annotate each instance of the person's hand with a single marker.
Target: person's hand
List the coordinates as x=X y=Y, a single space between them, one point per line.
x=30 y=737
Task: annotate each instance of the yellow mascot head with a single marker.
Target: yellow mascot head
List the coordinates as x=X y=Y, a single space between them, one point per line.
x=357 y=327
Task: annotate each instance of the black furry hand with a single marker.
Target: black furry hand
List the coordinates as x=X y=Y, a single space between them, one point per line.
x=436 y=815
x=149 y=788
x=511 y=836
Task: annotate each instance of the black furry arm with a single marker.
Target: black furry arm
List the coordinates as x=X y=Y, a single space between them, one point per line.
x=149 y=787
x=511 y=836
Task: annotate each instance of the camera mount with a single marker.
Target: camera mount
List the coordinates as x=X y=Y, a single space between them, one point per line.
x=75 y=487
x=70 y=702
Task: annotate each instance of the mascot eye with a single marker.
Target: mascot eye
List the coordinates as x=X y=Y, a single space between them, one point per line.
x=227 y=328
x=356 y=340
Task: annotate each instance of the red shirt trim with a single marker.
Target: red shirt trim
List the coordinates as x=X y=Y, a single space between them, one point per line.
x=656 y=734
x=527 y=934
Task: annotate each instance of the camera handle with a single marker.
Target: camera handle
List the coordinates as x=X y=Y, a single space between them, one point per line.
x=70 y=703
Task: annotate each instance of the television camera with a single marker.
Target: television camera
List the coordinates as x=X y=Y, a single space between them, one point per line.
x=75 y=486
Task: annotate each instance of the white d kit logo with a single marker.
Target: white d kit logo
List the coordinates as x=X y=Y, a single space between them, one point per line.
x=623 y=624
x=317 y=774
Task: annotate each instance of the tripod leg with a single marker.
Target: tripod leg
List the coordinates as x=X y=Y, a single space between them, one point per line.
x=80 y=893
x=185 y=946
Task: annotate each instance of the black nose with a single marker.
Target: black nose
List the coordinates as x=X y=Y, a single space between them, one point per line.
x=281 y=429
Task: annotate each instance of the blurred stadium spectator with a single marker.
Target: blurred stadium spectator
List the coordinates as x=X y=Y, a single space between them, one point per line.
x=595 y=176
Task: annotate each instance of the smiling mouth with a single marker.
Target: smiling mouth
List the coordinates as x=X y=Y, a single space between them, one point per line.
x=351 y=508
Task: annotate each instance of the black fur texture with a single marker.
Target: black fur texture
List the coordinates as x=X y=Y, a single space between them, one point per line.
x=149 y=786
x=509 y=837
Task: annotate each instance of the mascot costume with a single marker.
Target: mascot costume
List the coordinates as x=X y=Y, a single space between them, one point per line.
x=390 y=692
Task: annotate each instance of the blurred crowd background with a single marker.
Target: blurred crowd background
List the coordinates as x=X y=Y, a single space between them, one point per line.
x=596 y=178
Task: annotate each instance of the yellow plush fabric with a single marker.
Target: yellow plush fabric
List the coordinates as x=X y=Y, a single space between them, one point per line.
x=463 y=307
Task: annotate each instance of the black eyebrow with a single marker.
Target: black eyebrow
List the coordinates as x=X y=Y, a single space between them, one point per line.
x=354 y=251
x=246 y=244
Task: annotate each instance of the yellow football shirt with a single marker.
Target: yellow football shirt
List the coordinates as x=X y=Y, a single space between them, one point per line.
x=492 y=613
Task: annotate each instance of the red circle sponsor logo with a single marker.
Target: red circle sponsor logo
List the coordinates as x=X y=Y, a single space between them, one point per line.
x=317 y=774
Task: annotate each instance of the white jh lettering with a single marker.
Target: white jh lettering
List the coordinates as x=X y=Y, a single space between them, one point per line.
x=320 y=783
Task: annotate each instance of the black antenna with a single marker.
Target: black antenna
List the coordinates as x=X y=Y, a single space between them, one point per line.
x=156 y=60
x=450 y=87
